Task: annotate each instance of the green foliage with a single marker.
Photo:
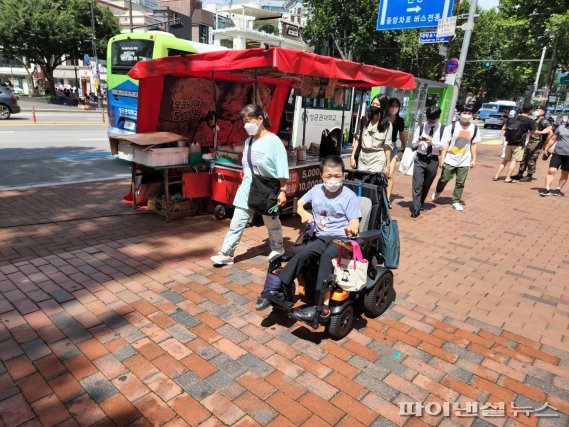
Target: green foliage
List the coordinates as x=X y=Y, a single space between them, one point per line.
x=519 y=29
x=346 y=29
x=49 y=32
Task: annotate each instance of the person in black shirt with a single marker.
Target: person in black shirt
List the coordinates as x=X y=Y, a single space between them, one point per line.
x=515 y=147
x=534 y=145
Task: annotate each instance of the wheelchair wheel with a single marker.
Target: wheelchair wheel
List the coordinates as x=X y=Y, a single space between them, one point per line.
x=377 y=299
x=341 y=324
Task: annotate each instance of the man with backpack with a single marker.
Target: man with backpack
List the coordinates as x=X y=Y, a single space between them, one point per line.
x=534 y=146
x=516 y=134
x=427 y=144
x=458 y=155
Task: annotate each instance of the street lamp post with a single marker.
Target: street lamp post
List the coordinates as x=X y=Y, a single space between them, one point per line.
x=463 y=56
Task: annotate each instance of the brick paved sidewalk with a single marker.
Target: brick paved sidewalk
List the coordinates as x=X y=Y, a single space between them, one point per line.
x=115 y=317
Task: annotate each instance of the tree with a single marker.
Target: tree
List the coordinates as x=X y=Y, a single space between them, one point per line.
x=535 y=24
x=50 y=32
x=346 y=28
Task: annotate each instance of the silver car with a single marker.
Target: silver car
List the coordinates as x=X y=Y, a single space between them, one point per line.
x=8 y=103
x=495 y=120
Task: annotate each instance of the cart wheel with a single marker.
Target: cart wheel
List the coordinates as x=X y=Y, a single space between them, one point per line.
x=341 y=324
x=378 y=298
x=220 y=212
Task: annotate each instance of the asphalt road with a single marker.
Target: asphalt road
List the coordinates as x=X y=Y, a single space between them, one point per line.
x=62 y=147
x=68 y=146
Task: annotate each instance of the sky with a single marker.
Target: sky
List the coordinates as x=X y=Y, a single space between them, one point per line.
x=487 y=4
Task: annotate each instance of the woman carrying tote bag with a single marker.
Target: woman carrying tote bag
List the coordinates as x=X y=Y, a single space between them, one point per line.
x=264 y=157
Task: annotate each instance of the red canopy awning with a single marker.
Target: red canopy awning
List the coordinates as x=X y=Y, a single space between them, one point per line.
x=272 y=63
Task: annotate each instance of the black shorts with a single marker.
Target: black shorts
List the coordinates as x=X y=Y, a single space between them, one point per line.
x=559 y=160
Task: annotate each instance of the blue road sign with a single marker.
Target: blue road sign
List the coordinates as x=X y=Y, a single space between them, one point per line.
x=407 y=14
x=431 y=37
x=85 y=59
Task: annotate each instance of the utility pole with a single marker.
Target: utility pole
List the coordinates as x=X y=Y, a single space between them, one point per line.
x=130 y=15
x=94 y=46
x=463 y=56
x=538 y=72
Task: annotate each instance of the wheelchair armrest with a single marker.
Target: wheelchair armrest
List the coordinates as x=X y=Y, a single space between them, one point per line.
x=369 y=235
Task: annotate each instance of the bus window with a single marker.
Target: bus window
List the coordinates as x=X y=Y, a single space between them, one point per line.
x=176 y=52
x=126 y=53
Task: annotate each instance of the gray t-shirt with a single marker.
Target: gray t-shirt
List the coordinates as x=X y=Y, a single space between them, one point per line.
x=332 y=214
x=562 y=144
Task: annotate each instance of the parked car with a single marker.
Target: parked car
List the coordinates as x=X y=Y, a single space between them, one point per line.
x=495 y=120
x=18 y=90
x=8 y=103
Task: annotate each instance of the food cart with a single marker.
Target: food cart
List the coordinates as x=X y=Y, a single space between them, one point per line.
x=199 y=97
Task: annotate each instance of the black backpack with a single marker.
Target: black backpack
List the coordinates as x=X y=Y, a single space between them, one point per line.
x=330 y=143
x=514 y=133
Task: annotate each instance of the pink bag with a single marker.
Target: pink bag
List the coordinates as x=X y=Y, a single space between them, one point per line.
x=351 y=274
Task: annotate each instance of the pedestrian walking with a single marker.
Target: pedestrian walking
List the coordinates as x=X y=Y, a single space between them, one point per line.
x=535 y=144
x=511 y=116
x=459 y=156
x=427 y=141
x=516 y=134
x=393 y=108
x=374 y=143
x=559 y=160
x=269 y=159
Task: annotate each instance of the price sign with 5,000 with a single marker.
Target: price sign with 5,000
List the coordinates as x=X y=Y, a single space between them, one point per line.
x=452 y=66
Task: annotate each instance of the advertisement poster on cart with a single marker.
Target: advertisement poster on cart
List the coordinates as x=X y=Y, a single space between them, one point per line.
x=187 y=105
x=301 y=180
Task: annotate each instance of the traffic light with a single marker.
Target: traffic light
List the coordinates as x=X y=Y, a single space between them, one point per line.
x=487 y=64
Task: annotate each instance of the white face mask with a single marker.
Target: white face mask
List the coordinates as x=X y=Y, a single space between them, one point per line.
x=333 y=185
x=251 y=128
x=393 y=110
x=467 y=118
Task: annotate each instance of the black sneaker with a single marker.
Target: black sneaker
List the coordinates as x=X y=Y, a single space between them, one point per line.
x=545 y=192
x=526 y=179
x=558 y=193
x=516 y=177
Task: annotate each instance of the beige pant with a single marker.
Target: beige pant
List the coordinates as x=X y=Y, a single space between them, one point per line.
x=514 y=152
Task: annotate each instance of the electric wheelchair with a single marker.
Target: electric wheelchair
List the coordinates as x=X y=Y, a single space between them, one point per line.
x=344 y=306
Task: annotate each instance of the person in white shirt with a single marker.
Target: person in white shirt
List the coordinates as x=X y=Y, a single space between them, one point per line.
x=427 y=143
x=459 y=155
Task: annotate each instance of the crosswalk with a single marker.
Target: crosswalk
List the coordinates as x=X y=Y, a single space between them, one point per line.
x=490 y=136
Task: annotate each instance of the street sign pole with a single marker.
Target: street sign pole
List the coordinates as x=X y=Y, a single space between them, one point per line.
x=463 y=56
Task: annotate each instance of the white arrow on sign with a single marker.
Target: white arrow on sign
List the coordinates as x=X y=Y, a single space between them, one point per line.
x=413 y=9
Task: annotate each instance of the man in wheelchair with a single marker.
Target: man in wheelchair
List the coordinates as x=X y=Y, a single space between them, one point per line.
x=336 y=215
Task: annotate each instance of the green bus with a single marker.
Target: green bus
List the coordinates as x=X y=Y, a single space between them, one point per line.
x=123 y=52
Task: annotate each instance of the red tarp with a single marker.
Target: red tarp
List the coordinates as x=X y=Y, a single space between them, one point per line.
x=277 y=59
x=276 y=65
